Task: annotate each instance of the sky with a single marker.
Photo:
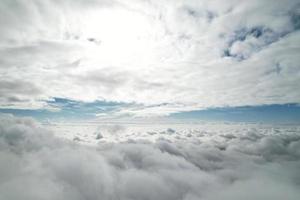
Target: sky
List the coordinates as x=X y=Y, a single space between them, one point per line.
x=149 y=99
x=186 y=60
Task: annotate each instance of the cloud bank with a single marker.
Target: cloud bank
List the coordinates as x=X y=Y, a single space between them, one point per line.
x=164 y=56
x=253 y=164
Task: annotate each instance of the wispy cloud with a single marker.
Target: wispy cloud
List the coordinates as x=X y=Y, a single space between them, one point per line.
x=187 y=55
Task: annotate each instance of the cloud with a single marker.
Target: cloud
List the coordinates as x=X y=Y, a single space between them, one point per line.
x=34 y=164
x=166 y=57
x=18 y=94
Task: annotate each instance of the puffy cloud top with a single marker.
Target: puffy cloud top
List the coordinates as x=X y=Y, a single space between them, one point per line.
x=232 y=162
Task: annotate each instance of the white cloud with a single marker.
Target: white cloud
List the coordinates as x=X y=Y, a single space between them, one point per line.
x=256 y=162
x=186 y=54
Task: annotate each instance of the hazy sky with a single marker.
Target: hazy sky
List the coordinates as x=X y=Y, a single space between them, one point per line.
x=146 y=58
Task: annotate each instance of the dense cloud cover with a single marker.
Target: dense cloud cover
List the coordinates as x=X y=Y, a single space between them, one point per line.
x=165 y=56
x=254 y=164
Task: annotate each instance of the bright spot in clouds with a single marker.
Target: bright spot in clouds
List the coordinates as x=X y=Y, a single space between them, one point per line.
x=120 y=36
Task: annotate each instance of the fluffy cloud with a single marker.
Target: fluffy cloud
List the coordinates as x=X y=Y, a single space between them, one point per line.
x=255 y=163
x=169 y=56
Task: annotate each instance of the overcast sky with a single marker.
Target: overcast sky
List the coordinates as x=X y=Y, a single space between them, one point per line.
x=148 y=58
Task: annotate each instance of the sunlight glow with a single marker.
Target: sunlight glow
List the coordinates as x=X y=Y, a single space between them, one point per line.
x=126 y=37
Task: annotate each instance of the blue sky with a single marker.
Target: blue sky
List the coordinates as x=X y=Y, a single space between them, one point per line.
x=67 y=110
x=287 y=113
x=70 y=110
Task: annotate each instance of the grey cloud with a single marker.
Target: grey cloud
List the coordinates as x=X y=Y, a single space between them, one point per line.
x=16 y=92
x=105 y=78
x=22 y=87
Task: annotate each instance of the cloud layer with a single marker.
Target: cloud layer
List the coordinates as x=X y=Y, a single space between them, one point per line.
x=165 y=56
x=255 y=163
